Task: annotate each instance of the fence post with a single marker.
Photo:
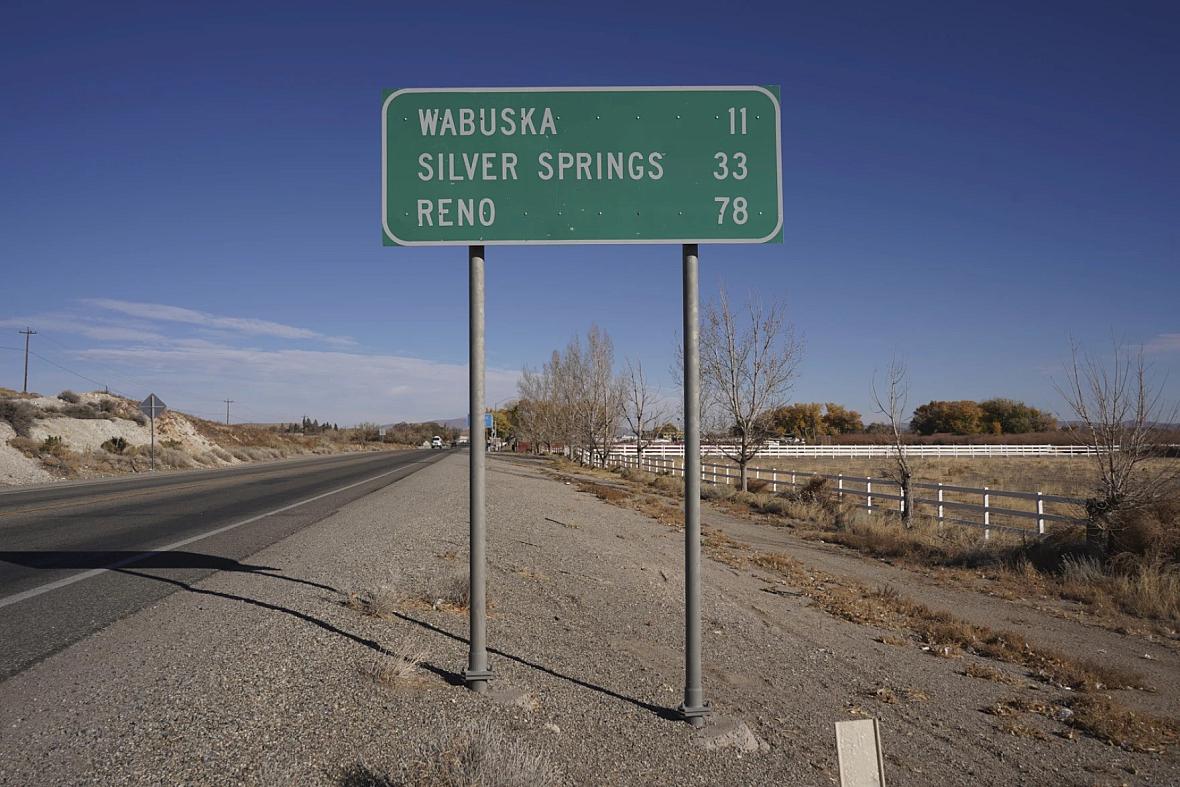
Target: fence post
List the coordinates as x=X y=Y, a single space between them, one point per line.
x=987 y=515
x=1040 y=513
x=840 y=487
x=869 y=491
x=793 y=484
x=900 y=499
x=940 y=502
x=774 y=482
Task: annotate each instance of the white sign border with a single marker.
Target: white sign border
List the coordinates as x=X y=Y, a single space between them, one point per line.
x=389 y=234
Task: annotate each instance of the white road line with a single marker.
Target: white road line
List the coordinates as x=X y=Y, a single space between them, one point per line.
x=16 y=598
x=211 y=473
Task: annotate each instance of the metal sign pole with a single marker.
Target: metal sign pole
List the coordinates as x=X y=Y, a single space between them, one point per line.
x=477 y=673
x=153 y=419
x=695 y=709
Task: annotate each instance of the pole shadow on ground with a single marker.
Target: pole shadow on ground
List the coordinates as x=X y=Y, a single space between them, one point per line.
x=149 y=559
x=117 y=562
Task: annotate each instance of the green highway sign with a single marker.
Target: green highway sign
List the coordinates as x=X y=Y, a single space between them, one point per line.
x=485 y=166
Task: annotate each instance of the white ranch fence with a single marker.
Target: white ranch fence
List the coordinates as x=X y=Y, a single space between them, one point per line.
x=1023 y=513
x=665 y=450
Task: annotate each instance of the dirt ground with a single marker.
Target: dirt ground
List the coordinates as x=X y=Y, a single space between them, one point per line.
x=245 y=678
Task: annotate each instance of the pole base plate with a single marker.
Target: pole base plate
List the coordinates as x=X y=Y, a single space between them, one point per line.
x=477 y=680
x=695 y=715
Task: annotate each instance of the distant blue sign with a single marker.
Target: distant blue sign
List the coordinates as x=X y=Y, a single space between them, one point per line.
x=487 y=420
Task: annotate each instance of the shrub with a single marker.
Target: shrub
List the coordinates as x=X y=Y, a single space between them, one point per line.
x=174 y=458
x=20 y=415
x=757 y=484
x=116 y=445
x=481 y=754
x=27 y=446
x=175 y=445
x=669 y=484
x=140 y=419
x=83 y=411
x=745 y=499
x=640 y=476
x=716 y=492
x=366 y=433
x=1153 y=530
x=51 y=445
x=69 y=396
x=815 y=490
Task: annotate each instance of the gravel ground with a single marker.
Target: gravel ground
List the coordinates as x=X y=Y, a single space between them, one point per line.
x=15 y=467
x=249 y=678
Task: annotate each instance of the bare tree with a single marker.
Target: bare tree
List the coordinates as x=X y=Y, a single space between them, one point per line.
x=641 y=406
x=893 y=406
x=589 y=396
x=1120 y=417
x=746 y=371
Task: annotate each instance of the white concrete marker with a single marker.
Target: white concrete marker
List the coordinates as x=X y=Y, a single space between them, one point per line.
x=858 y=745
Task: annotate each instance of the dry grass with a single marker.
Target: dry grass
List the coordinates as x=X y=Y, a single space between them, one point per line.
x=610 y=494
x=27 y=446
x=479 y=755
x=452 y=596
x=1147 y=587
x=1019 y=729
x=984 y=672
x=1108 y=720
x=1071 y=476
x=940 y=632
x=925 y=542
x=394 y=671
x=658 y=509
x=386 y=601
x=383 y=602
x=8 y=393
x=1101 y=717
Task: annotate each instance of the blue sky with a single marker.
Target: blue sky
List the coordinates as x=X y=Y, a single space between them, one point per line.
x=189 y=196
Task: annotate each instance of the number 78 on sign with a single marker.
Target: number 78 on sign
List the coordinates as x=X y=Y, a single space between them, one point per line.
x=467 y=166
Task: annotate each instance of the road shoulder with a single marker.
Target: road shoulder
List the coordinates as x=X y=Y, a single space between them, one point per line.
x=274 y=677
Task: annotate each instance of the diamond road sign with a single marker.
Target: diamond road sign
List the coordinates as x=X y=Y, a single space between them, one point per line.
x=485 y=166
x=152 y=406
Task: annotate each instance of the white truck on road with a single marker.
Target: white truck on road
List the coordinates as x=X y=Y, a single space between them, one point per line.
x=436 y=443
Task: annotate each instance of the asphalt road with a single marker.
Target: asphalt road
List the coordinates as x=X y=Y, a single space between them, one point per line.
x=76 y=557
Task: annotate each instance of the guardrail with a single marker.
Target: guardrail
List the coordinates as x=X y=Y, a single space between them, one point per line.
x=665 y=450
x=937 y=499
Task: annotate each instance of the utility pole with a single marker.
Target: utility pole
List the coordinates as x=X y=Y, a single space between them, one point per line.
x=228 y=402
x=27 y=333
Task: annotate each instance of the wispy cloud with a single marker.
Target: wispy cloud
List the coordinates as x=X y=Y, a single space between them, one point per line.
x=274 y=371
x=1163 y=343
x=279 y=385
x=159 y=312
x=99 y=329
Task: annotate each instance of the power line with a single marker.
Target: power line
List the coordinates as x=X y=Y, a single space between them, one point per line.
x=101 y=366
x=70 y=371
